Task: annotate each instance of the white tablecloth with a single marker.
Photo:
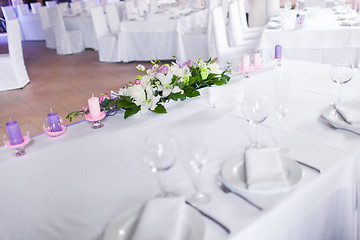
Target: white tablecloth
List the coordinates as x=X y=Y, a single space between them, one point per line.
x=85 y=25
x=322 y=40
x=72 y=186
x=160 y=37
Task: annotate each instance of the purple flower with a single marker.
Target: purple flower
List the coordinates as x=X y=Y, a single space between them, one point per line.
x=181 y=64
x=113 y=95
x=163 y=69
x=190 y=63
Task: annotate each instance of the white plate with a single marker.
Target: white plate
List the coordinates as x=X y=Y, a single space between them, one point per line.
x=233 y=175
x=337 y=121
x=123 y=225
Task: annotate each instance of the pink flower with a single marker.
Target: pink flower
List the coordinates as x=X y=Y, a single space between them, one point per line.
x=190 y=63
x=163 y=69
x=102 y=98
x=85 y=108
x=137 y=82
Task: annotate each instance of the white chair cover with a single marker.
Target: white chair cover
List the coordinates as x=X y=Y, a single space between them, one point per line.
x=315 y=3
x=8 y=12
x=34 y=6
x=108 y=51
x=153 y=6
x=238 y=36
x=12 y=67
x=47 y=28
x=76 y=7
x=113 y=18
x=23 y=9
x=224 y=52
x=50 y=4
x=257 y=13
x=67 y=42
x=142 y=7
x=244 y=24
x=30 y=24
x=272 y=6
x=89 y=4
x=131 y=10
x=63 y=8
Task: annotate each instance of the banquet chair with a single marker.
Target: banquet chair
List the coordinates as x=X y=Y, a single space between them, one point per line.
x=63 y=8
x=23 y=9
x=34 y=6
x=142 y=7
x=47 y=28
x=30 y=24
x=244 y=23
x=238 y=36
x=12 y=66
x=67 y=42
x=76 y=7
x=107 y=42
x=113 y=18
x=8 y=12
x=131 y=10
x=225 y=53
x=50 y=4
x=153 y=7
x=89 y=4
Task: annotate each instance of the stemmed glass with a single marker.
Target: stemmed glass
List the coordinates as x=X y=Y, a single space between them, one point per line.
x=341 y=73
x=159 y=154
x=196 y=158
x=256 y=110
x=282 y=92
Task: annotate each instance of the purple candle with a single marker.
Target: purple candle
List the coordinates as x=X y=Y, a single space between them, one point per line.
x=54 y=122
x=14 y=132
x=278 y=52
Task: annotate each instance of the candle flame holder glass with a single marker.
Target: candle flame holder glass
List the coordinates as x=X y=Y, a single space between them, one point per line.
x=48 y=127
x=96 y=122
x=278 y=62
x=20 y=149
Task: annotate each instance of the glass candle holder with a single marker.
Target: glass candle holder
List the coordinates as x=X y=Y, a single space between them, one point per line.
x=20 y=149
x=54 y=128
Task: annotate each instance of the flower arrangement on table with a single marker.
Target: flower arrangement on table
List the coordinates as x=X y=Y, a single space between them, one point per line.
x=160 y=84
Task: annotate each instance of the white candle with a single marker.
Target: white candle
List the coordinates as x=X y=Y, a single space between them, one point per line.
x=245 y=62
x=257 y=59
x=94 y=107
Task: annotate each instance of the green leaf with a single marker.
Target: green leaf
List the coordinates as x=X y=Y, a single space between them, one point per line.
x=191 y=92
x=125 y=104
x=131 y=111
x=177 y=96
x=105 y=103
x=160 y=109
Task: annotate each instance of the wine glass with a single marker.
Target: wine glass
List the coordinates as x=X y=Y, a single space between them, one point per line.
x=256 y=110
x=159 y=154
x=282 y=92
x=341 y=73
x=196 y=157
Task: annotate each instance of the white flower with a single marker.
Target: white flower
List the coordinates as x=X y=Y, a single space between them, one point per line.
x=165 y=80
x=215 y=68
x=154 y=101
x=145 y=81
x=123 y=91
x=140 y=67
x=137 y=93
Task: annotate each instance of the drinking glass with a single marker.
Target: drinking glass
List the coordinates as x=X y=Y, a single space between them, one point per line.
x=159 y=154
x=256 y=110
x=282 y=92
x=341 y=73
x=196 y=157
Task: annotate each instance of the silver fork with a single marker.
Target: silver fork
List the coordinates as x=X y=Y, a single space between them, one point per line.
x=225 y=189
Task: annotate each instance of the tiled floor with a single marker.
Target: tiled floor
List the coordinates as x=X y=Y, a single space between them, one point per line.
x=63 y=83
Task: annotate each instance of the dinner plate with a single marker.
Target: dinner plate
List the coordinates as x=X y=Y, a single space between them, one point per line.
x=333 y=117
x=124 y=224
x=233 y=175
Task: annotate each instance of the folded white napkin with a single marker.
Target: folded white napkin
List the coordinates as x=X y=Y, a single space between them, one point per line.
x=264 y=170
x=161 y=219
x=227 y=95
x=350 y=111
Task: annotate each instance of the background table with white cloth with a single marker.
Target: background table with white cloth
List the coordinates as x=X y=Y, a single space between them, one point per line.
x=72 y=186
x=159 y=37
x=324 y=38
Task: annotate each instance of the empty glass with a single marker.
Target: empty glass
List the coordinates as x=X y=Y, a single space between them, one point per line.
x=341 y=73
x=256 y=110
x=159 y=154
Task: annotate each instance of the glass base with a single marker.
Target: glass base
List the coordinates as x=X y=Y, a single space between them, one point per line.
x=166 y=194
x=254 y=146
x=20 y=152
x=245 y=75
x=97 y=125
x=199 y=198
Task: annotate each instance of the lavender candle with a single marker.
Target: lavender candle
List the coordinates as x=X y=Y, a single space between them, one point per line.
x=278 y=52
x=54 y=122
x=14 y=133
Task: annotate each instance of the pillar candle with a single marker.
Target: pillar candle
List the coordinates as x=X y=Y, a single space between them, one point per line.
x=14 y=132
x=94 y=107
x=278 y=52
x=245 y=62
x=54 y=122
x=257 y=59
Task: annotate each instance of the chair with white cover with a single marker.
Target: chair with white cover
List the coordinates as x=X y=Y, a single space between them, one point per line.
x=238 y=36
x=8 y=12
x=67 y=42
x=12 y=67
x=50 y=4
x=30 y=24
x=225 y=53
x=154 y=6
x=63 y=8
x=113 y=18
x=108 y=43
x=23 y=9
x=34 y=6
x=244 y=23
x=47 y=28
x=76 y=7
x=257 y=13
x=131 y=10
x=272 y=6
x=142 y=7
x=89 y=4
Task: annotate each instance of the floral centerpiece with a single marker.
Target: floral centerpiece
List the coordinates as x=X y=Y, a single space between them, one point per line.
x=160 y=84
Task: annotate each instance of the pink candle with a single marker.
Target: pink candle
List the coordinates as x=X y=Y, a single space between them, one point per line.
x=94 y=107
x=257 y=59
x=245 y=62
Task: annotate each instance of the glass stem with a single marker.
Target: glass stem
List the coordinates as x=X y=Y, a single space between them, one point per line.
x=281 y=122
x=339 y=93
x=197 y=180
x=256 y=135
x=160 y=180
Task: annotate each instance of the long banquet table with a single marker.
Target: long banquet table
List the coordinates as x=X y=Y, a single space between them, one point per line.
x=325 y=26
x=72 y=186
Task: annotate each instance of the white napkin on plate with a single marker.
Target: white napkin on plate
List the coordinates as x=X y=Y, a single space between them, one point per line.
x=161 y=219
x=350 y=110
x=264 y=170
